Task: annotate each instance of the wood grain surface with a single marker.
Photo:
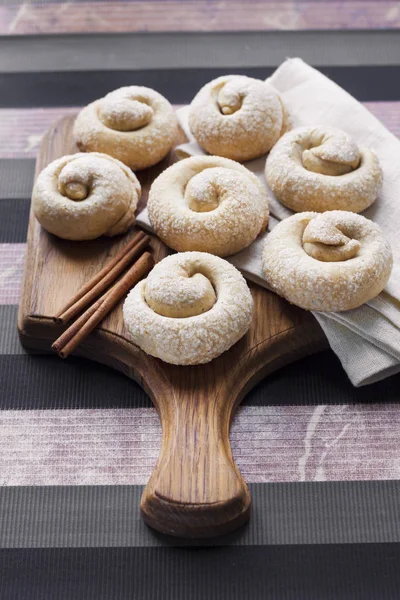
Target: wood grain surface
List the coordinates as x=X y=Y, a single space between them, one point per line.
x=196 y=489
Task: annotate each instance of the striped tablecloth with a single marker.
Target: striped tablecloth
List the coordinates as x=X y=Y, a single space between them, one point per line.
x=78 y=441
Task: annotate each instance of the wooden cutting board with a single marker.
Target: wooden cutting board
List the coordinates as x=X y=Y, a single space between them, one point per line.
x=196 y=489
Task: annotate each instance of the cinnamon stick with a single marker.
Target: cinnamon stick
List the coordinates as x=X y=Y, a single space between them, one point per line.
x=79 y=330
x=75 y=328
x=104 y=278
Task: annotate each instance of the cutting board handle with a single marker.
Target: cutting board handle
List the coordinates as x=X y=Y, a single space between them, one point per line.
x=196 y=489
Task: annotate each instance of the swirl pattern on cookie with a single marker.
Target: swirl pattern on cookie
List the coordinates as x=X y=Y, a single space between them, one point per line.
x=320 y=168
x=237 y=117
x=134 y=124
x=83 y=196
x=208 y=203
x=192 y=307
x=333 y=261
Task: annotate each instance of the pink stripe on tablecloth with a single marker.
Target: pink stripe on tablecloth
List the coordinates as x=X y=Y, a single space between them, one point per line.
x=21 y=129
x=199 y=15
x=11 y=267
x=8 y=14
x=270 y=443
x=388 y=113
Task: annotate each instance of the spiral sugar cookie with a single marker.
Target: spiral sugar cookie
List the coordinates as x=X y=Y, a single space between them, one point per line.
x=333 y=261
x=83 y=196
x=133 y=124
x=208 y=203
x=191 y=308
x=237 y=117
x=320 y=168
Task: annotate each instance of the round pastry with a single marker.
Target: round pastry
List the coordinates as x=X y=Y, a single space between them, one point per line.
x=320 y=168
x=237 y=117
x=333 y=261
x=83 y=196
x=191 y=308
x=208 y=203
x=134 y=124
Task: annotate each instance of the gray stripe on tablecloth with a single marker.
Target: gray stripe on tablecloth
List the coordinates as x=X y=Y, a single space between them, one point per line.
x=177 y=50
x=9 y=340
x=14 y=218
x=16 y=177
x=282 y=513
x=46 y=382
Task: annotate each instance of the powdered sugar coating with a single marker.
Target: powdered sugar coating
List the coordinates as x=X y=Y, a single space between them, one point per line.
x=354 y=264
x=319 y=169
x=237 y=117
x=208 y=203
x=134 y=124
x=199 y=338
x=83 y=196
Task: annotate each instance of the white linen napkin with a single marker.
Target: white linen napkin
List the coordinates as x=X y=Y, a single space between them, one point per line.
x=366 y=339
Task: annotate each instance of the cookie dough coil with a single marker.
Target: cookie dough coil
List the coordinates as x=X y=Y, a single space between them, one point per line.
x=333 y=261
x=134 y=124
x=208 y=203
x=319 y=169
x=83 y=196
x=191 y=308
x=237 y=117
